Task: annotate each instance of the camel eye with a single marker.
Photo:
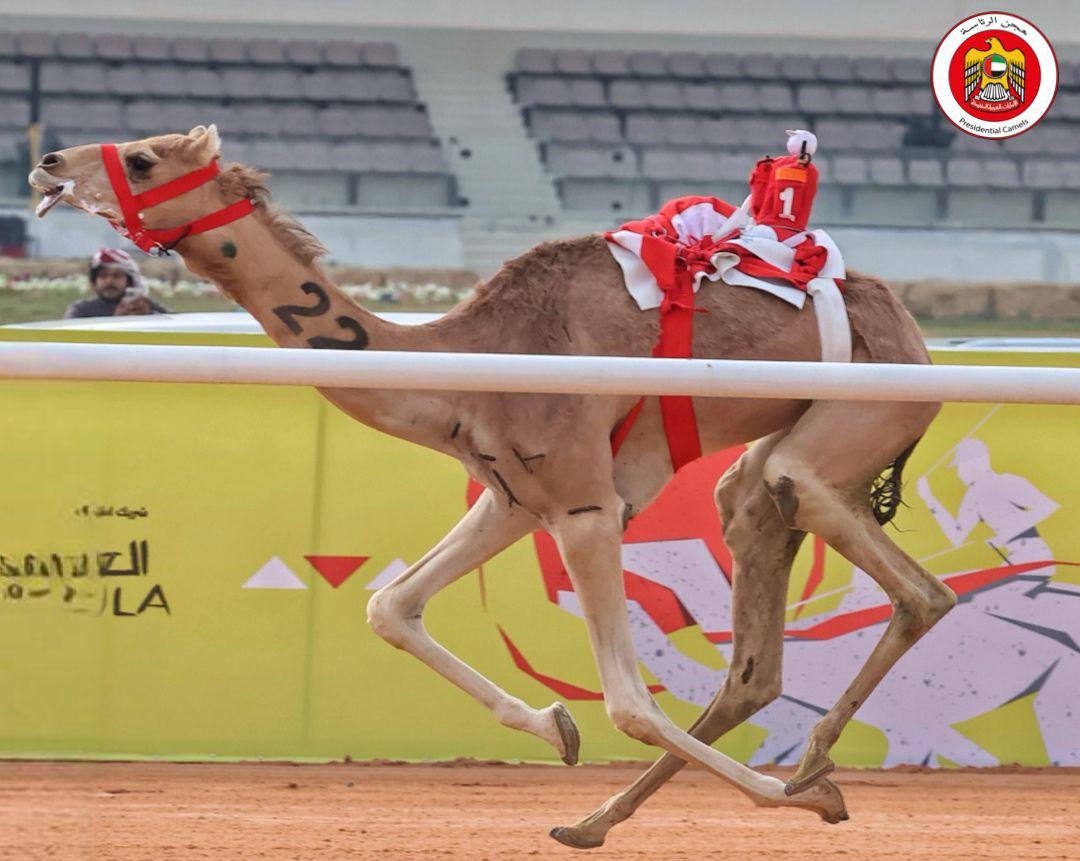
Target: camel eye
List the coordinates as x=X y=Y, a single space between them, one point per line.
x=139 y=163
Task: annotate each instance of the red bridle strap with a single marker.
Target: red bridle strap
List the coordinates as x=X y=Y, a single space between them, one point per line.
x=132 y=205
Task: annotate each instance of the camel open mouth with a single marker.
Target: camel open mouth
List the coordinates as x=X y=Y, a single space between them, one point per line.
x=52 y=196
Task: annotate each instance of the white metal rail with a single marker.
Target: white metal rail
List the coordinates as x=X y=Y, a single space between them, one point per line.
x=500 y=372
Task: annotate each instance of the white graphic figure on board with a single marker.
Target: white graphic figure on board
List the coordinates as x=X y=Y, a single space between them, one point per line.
x=1010 y=505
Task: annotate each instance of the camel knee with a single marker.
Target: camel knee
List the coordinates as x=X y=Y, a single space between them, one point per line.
x=752 y=686
x=786 y=484
x=635 y=720
x=924 y=609
x=389 y=617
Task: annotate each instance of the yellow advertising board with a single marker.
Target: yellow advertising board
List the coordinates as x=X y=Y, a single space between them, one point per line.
x=184 y=572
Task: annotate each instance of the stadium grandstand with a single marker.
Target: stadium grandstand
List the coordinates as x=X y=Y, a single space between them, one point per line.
x=482 y=142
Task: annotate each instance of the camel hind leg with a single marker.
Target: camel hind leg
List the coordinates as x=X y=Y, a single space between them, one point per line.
x=819 y=477
x=394 y=613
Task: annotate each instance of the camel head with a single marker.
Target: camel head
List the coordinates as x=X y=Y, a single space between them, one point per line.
x=80 y=177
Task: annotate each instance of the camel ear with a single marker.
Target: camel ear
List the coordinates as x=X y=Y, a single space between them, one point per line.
x=206 y=141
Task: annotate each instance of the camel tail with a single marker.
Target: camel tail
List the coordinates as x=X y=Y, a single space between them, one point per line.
x=885 y=492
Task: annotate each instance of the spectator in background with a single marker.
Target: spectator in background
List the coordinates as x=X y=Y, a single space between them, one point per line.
x=119 y=285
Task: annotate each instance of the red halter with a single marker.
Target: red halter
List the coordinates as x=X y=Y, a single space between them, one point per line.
x=132 y=205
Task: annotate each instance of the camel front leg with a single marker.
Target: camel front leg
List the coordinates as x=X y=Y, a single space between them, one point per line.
x=589 y=543
x=394 y=613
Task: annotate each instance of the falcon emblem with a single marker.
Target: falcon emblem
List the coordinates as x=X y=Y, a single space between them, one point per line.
x=994 y=78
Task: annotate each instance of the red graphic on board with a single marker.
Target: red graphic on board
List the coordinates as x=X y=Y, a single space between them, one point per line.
x=335 y=570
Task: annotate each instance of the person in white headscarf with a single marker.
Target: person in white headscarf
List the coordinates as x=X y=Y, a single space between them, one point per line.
x=119 y=288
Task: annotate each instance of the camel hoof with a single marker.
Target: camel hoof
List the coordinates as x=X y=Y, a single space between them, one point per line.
x=575 y=839
x=569 y=734
x=802 y=782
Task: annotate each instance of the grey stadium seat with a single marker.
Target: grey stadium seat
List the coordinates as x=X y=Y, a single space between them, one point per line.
x=279 y=84
x=662 y=163
x=568 y=160
x=342 y=53
x=648 y=64
x=303 y=52
x=723 y=66
x=835 y=68
x=664 y=95
x=686 y=64
x=798 y=67
x=534 y=61
x=723 y=132
x=75 y=46
x=8 y=47
x=312 y=154
x=627 y=94
x=604 y=128
x=543 y=91
x=331 y=86
x=775 y=98
x=14 y=112
x=256 y=120
x=683 y=131
x=644 y=129
x=266 y=51
x=558 y=126
x=741 y=97
x=887 y=171
x=849 y=170
x=921 y=100
x=114 y=46
x=163 y=81
x=202 y=83
x=297 y=119
x=1067 y=106
x=227 y=51
x=151 y=48
x=412 y=123
x=272 y=155
x=352 y=157
x=925 y=172
x=14 y=78
x=78 y=114
x=872 y=70
x=88 y=78
x=54 y=78
x=755 y=132
x=1001 y=173
x=127 y=81
x=35 y=45
x=395 y=86
x=338 y=122
x=859 y=134
x=611 y=63
x=587 y=93
x=908 y=70
x=703 y=97
x=572 y=62
x=190 y=49
x=892 y=102
x=1043 y=173
x=853 y=100
x=241 y=83
x=761 y=67
x=383 y=55
x=816 y=99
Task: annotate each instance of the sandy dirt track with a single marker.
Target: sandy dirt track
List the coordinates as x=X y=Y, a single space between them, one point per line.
x=281 y=812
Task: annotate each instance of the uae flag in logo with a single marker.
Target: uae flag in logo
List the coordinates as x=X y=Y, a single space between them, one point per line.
x=996 y=66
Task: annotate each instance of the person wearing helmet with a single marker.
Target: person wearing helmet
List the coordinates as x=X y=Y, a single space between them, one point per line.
x=119 y=285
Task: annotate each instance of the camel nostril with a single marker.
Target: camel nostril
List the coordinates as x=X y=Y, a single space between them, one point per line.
x=51 y=160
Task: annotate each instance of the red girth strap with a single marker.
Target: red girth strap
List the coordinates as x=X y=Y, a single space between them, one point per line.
x=676 y=342
x=132 y=205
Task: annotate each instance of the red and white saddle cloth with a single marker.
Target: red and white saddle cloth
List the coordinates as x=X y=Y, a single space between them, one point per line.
x=666 y=257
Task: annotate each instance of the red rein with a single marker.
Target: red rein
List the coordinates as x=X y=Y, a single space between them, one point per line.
x=152 y=240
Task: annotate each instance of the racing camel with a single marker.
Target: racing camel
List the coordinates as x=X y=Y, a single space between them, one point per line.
x=546 y=460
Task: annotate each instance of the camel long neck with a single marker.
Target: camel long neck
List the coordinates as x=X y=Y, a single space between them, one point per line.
x=298 y=306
